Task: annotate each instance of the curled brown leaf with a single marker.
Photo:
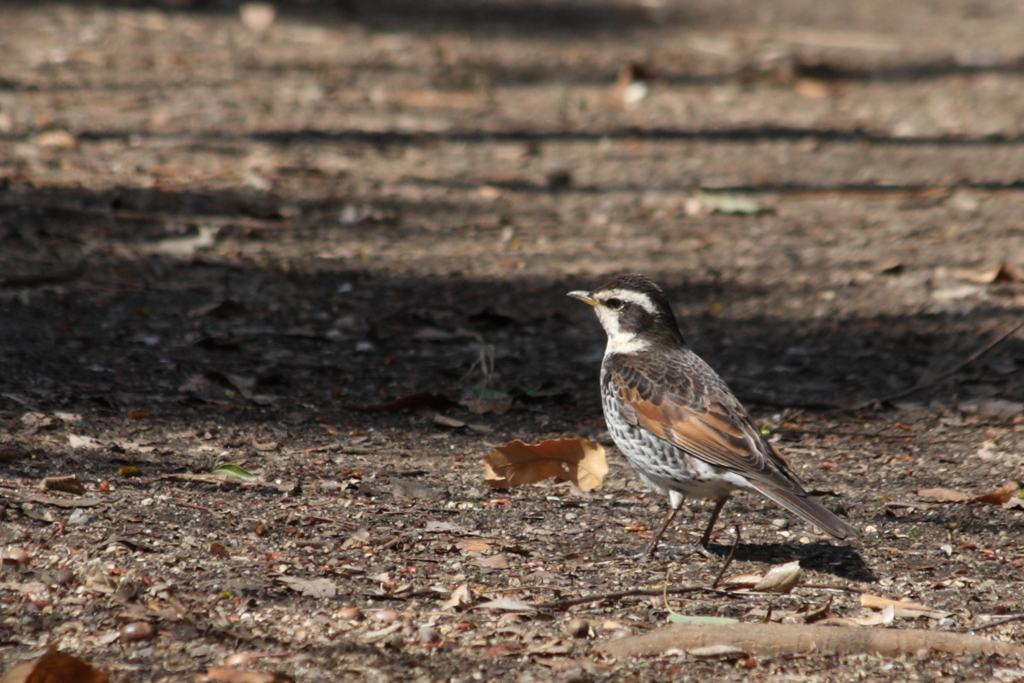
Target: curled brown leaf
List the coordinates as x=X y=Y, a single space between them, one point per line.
x=518 y=464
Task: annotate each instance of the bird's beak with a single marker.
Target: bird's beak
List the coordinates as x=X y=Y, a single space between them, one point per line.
x=584 y=297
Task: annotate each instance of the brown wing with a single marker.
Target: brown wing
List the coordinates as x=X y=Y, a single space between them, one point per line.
x=680 y=399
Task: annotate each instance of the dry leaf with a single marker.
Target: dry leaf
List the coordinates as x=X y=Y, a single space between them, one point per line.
x=1009 y=273
x=508 y=605
x=54 y=667
x=77 y=441
x=473 y=545
x=460 y=597
x=811 y=88
x=780 y=578
x=878 y=602
x=314 y=588
x=1005 y=272
x=943 y=495
x=518 y=464
x=56 y=138
x=738 y=581
x=978 y=277
x=492 y=562
x=884 y=618
x=998 y=496
x=904 y=610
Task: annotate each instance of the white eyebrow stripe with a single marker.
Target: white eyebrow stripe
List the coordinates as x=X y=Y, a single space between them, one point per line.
x=637 y=298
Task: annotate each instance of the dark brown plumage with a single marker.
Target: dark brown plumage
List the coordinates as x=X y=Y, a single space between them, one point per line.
x=674 y=418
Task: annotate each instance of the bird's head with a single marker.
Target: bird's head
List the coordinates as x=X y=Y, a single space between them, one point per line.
x=634 y=312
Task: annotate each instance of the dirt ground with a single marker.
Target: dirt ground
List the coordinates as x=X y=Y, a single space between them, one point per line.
x=221 y=241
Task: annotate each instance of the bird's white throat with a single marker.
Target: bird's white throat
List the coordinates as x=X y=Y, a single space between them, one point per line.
x=619 y=340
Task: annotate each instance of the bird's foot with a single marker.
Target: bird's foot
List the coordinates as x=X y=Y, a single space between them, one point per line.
x=678 y=552
x=638 y=555
x=672 y=552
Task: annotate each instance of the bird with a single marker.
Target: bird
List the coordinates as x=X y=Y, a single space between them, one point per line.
x=677 y=422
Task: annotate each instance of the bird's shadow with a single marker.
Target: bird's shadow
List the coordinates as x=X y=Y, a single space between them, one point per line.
x=839 y=560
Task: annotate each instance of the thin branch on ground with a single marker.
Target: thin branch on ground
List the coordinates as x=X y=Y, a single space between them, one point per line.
x=728 y=560
x=838 y=589
x=1006 y=620
x=637 y=592
x=935 y=381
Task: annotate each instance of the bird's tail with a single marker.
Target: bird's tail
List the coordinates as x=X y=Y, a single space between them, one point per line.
x=808 y=509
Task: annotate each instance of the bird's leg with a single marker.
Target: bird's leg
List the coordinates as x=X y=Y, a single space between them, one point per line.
x=661 y=530
x=698 y=548
x=719 y=502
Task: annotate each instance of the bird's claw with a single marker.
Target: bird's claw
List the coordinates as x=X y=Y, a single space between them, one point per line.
x=672 y=552
x=681 y=551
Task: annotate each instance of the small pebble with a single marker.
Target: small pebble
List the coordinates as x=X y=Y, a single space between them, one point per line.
x=63 y=576
x=429 y=636
x=136 y=631
x=78 y=517
x=257 y=16
x=619 y=633
x=350 y=614
x=780 y=523
x=385 y=616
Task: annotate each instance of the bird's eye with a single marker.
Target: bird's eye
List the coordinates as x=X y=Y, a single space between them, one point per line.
x=614 y=304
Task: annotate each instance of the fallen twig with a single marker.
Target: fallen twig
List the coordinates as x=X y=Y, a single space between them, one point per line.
x=790 y=639
x=1006 y=620
x=837 y=589
x=636 y=592
x=728 y=560
x=921 y=386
